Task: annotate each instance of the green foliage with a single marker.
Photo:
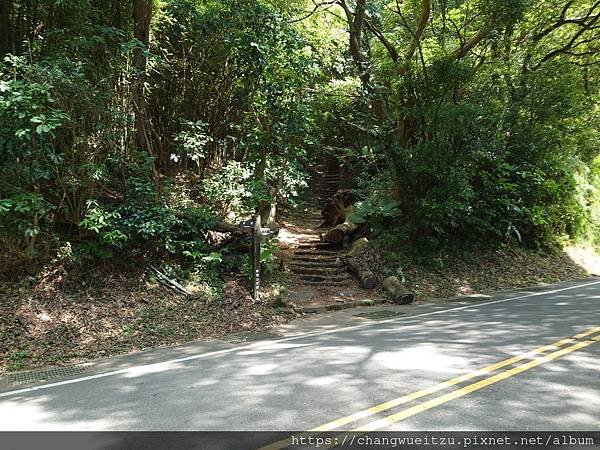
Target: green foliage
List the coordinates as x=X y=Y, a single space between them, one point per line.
x=234 y=190
x=58 y=132
x=268 y=251
x=104 y=223
x=241 y=99
x=17 y=359
x=192 y=142
x=380 y=211
x=498 y=145
x=29 y=120
x=23 y=218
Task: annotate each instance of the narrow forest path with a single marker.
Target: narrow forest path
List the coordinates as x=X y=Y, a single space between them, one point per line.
x=320 y=280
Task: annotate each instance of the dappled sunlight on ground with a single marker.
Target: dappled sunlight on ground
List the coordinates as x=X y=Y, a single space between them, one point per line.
x=24 y=413
x=306 y=381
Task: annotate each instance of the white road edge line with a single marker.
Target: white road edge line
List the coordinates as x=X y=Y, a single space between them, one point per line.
x=285 y=339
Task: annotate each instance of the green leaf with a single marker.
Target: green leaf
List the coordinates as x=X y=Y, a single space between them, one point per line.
x=357 y=218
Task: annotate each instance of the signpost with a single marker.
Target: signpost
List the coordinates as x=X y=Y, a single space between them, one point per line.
x=254 y=227
x=256 y=235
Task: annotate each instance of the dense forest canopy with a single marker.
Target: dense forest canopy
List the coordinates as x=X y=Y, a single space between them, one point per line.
x=137 y=127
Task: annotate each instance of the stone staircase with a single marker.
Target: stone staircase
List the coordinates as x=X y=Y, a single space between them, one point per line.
x=316 y=263
x=327 y=186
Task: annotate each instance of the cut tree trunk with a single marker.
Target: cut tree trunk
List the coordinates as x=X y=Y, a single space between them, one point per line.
x=397 y=292
x=366 y=278
x=356 y=265
x=337 y=208
x=358 y=246
x=336 y=234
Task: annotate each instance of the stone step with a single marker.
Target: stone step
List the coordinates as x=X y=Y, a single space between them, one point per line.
x=316 y=246
x=319 y=259
x=321 y=251
x=336 y=284
x=325 y=279
x=312 y=264
x=323 y=272
x=317 y=251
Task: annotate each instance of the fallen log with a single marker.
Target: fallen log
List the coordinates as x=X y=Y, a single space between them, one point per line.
x=366 y=278
x=397 y=292
x=358 y=246
x=355 y=262
x=337 y=233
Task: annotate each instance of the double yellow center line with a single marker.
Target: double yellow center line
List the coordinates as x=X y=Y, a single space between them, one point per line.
x=559 y=351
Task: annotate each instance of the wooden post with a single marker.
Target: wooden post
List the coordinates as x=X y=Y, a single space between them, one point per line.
x=256 y=235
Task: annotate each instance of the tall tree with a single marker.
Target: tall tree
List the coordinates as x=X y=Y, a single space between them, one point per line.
x=142 y=16
x=5 y=27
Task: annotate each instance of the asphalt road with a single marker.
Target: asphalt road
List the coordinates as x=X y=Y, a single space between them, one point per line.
x=327 y=371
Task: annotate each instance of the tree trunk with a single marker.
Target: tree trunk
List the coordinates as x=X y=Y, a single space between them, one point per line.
x=261 y=165
x=224 y=227
x=117 y=19
x=366 y=278
x=142 y=15
x=397 y=292
x=336 y=234
x=6 y=30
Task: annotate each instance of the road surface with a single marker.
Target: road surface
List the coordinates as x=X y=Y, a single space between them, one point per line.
x=526 y=360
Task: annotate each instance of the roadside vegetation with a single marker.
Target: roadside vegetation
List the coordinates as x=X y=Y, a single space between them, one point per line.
x=142 y=133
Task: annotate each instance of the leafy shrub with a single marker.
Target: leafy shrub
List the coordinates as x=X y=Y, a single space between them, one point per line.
x=234 y=190
x=191 y=143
